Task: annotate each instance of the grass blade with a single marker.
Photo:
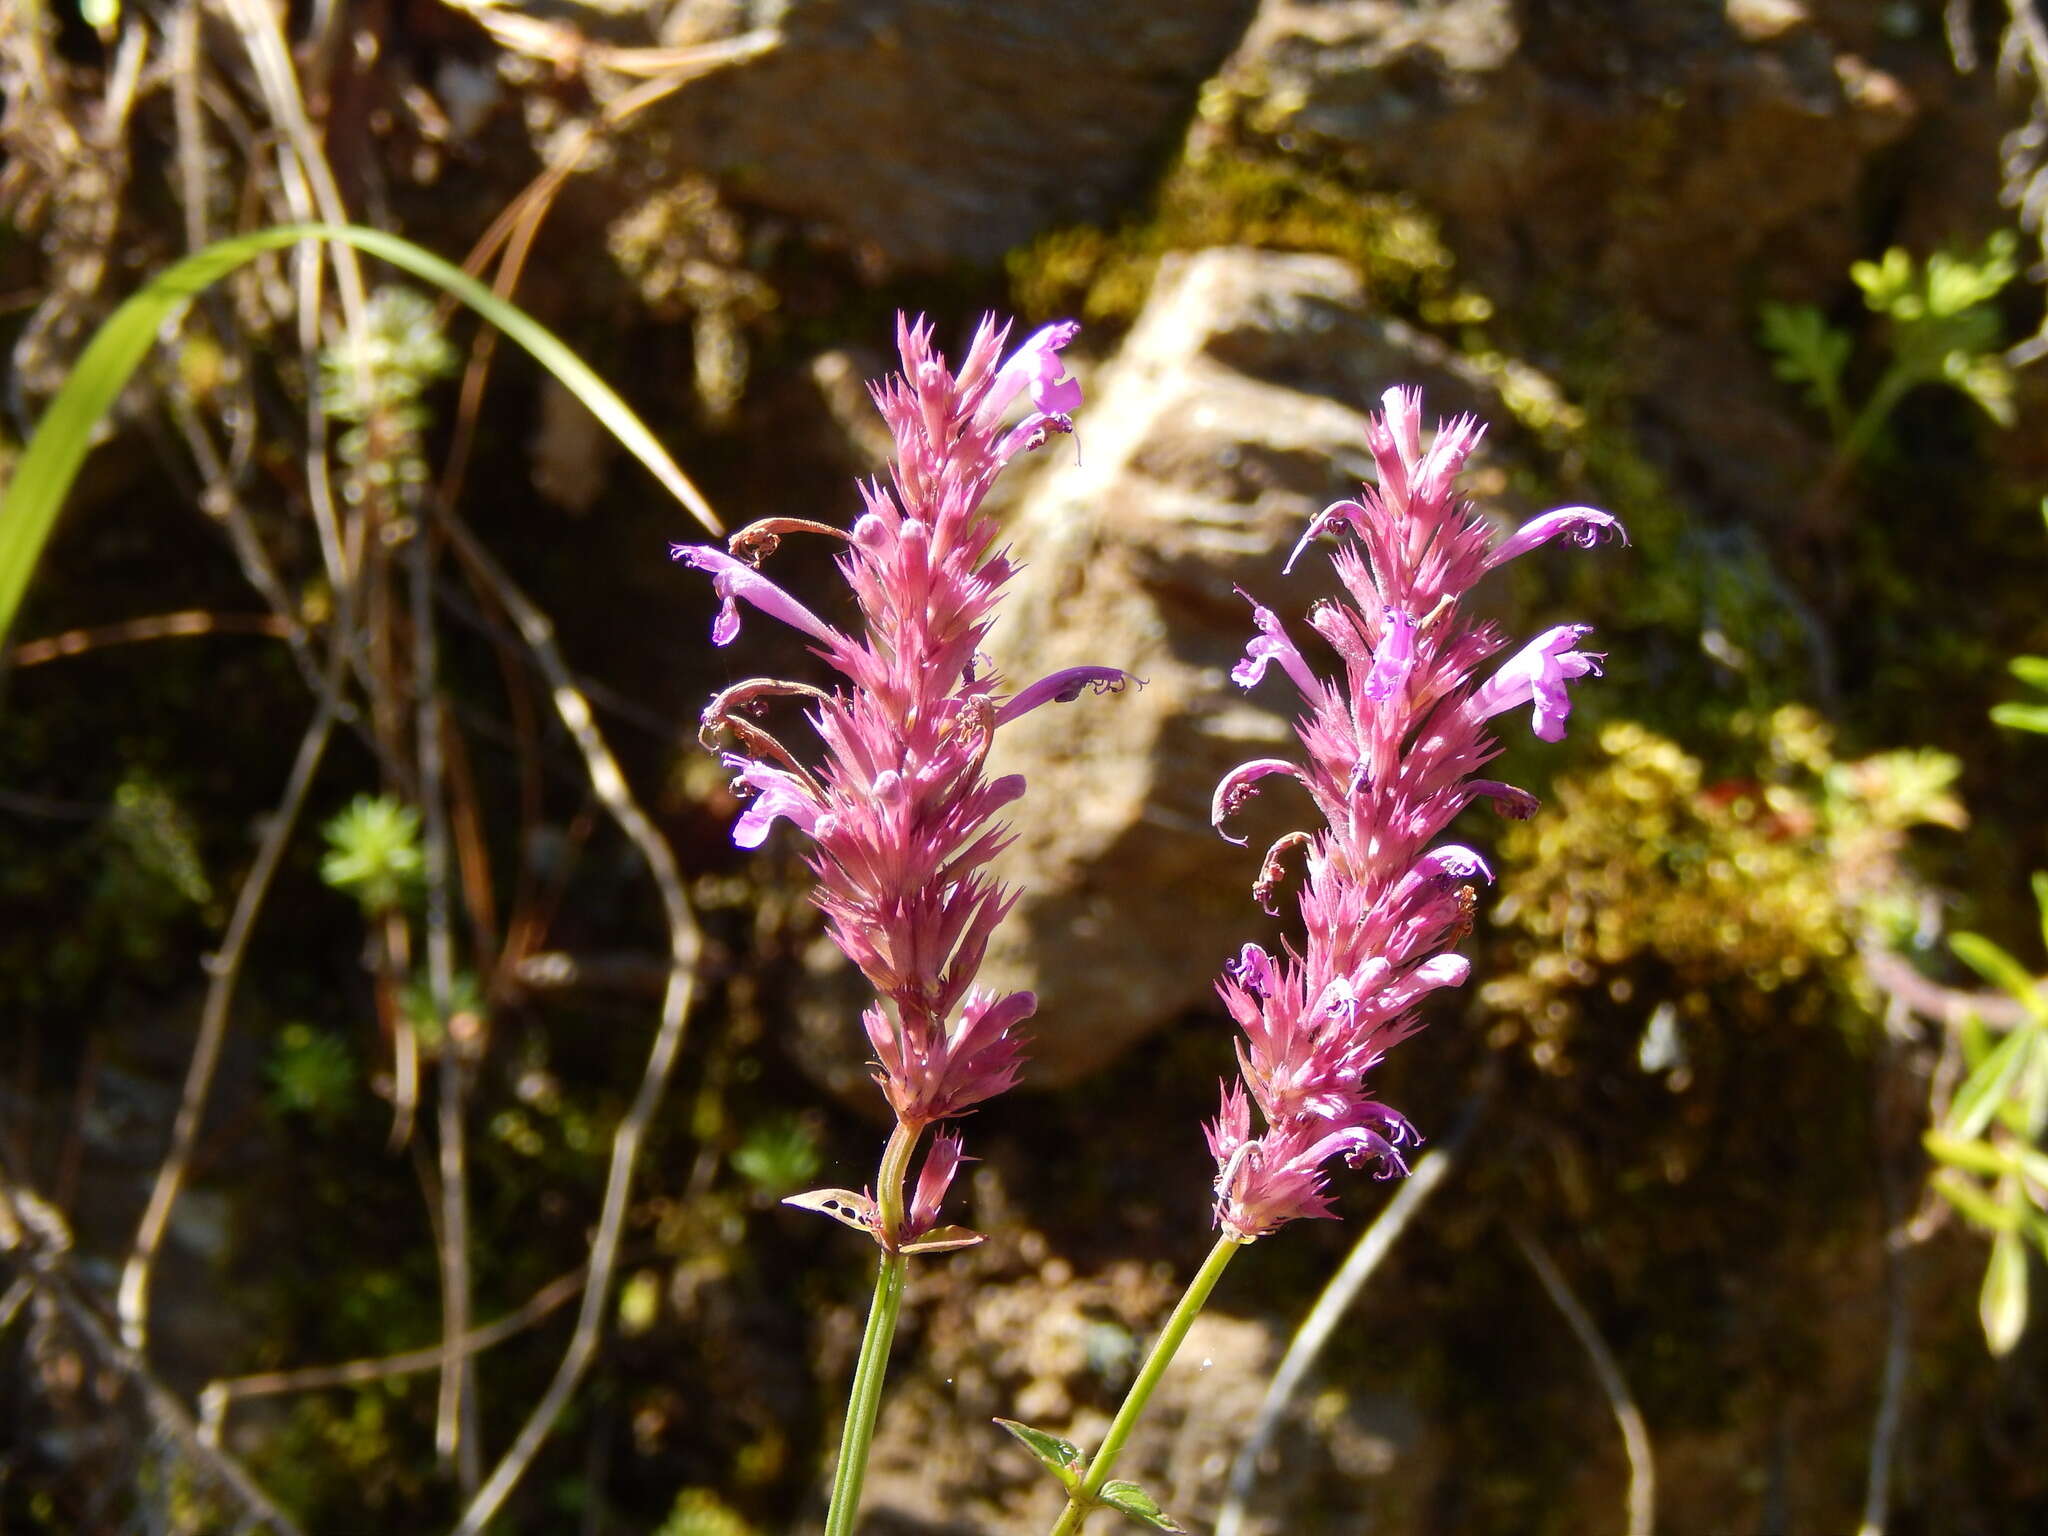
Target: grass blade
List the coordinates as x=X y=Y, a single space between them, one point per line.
x=49 y=464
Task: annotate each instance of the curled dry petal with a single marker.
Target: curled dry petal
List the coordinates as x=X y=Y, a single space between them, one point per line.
x=1274 y=870
x=1336 y=513
x=760 y=539
x=1237 y=787
x=1515 y=804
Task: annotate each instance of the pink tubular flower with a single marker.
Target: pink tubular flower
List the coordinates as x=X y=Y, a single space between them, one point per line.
x=1393 y=745
x=899 y=812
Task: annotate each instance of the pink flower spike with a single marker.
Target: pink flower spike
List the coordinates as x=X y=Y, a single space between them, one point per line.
x=1392 y=742
x=1538 y=673
x=1063 y=687
x=734 y=579
x=1584 y=526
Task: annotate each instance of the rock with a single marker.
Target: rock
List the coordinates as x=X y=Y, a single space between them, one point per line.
x=1230 y=416
x=1585 y=166
x=923 y=133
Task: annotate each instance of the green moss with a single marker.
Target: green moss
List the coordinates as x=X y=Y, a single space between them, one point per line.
x=1726 y=892
x=1252 y=198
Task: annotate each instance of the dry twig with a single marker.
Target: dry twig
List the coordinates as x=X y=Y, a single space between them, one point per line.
x=219 y=1396
x=1635 y=1435
x=225 y=969
x=44 y=1266
x=685 y=945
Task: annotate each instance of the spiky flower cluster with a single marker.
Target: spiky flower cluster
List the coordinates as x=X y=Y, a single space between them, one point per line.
x=1393 y=749
x=899 y=810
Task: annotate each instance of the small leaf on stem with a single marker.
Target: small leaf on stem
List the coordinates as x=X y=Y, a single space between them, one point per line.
x=850 y=1206
x=1061 y=1457
x=1137 y=1503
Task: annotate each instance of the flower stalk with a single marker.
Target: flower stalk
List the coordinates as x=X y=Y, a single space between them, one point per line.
x=866 y=1399
x=1087 y=1498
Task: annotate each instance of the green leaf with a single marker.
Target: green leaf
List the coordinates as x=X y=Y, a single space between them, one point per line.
x=2033 y=1165
x=1977 y=1040
x=1972 y=1204
x=2037 y=1229
x=2032 y=670
x=2039 y=880
x=1135 y=1501
x=1986 y=380
x=2002 y=1305
x=57 y=448
x=1972 y=1156
x=1984 y=1090
x=2021 y=717
x=1998 y=968
x=1061 y=1457
x=1883 y=282
x=1806 y=350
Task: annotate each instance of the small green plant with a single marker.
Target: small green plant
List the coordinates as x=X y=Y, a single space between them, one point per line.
x=700 y=1512
x=373 y=852
x=2026 y=715
x=1940 y=325
x=778 y=1155
x=1994 y=1167
x=402 y=351
x=311 y=1073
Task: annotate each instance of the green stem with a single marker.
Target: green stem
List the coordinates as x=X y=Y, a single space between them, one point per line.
x=1084 y=1500
x=859 y=1434
x=867 y=1396
x=889 y=1180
